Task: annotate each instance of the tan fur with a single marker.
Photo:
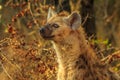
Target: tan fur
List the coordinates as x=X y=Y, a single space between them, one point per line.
x=77 y=60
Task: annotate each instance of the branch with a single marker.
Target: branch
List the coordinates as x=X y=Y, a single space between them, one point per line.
x=6 y=71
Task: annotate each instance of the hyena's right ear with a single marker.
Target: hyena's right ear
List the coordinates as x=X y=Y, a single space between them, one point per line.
x=51 y=13
x=74 y=20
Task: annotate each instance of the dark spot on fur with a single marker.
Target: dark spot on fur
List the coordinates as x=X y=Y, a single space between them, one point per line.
x=87 y=75
x=105 y=74
x=83 y=58
x=81 y=67
x=82 y=62
x=97 y=78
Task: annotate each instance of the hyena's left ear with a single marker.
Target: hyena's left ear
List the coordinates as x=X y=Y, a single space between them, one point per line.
x=51 y=13
x=74 y=20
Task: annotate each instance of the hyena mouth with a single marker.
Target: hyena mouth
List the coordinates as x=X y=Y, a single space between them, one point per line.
x=46 y=33
x=48 y=37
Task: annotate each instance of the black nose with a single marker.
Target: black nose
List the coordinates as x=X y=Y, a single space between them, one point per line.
x=42 y=30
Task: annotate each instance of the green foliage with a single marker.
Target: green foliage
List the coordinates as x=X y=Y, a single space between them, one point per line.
x=1 y=1
x=102 y=42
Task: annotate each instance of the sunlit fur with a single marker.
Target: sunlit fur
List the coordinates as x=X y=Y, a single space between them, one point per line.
x=76 y=59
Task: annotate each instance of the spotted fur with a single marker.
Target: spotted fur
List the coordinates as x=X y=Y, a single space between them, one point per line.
x=77 y=60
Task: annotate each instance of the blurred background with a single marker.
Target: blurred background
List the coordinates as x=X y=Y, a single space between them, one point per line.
x=24 y=55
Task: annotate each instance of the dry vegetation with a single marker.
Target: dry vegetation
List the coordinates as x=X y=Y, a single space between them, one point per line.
x=23 y=54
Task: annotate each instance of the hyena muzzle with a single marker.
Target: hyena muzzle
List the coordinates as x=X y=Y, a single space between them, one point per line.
x=58 y=27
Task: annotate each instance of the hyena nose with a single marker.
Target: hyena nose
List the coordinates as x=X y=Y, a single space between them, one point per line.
x=42 y=30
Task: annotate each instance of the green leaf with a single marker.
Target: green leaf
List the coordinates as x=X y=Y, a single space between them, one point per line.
x=105 y=41
x=0 y=1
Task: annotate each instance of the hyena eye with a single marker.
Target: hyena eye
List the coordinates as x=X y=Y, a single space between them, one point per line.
x=55 y=25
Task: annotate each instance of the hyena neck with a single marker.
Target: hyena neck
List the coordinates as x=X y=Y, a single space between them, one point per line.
x=73 y=46
x=74 y=52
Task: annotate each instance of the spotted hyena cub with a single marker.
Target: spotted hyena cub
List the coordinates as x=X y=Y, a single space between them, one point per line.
x=76 y=58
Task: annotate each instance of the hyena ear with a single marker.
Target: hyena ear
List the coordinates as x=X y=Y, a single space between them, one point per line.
x=51 y=13
x=74 y=20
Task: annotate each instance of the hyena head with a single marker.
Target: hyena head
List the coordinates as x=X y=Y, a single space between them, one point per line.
x=59 y=27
